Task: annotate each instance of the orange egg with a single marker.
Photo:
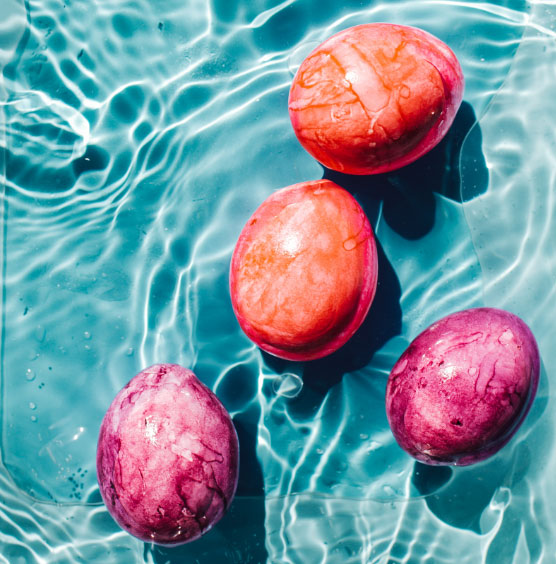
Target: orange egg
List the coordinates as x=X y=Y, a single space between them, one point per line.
x=375 y=97
x=304 y=271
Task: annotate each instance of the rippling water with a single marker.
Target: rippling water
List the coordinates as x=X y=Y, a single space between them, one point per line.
x=137 y=138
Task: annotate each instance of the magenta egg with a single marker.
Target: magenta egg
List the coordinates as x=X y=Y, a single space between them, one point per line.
x=463 y=387
x=167 y=456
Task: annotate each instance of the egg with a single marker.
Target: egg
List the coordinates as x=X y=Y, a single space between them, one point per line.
x=167 y=456
x=463 y=387
x=375 y=97
x=304 y=271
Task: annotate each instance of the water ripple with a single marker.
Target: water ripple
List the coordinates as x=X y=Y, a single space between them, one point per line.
x=137 y=138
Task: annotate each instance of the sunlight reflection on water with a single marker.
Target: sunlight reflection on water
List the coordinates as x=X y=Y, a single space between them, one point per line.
x=137 y=138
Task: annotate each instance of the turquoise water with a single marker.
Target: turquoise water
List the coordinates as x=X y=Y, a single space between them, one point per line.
x=137 y=138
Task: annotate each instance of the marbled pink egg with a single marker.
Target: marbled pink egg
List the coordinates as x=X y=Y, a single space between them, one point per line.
x=463 y=387
x=167 y=456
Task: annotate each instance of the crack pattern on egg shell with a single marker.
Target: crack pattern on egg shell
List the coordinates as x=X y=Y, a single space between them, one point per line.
x=167 y=456
x=463 y=386
x=375 y=97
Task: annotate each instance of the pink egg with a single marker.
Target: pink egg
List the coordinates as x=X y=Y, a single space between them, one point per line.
x=375 y=97
x=167 y=456
x=463 y=387
x=304 y=271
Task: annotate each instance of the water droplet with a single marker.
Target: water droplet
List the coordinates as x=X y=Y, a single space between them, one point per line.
x=130 y=351
x=34 y=418
x=373 y=445
x=399 y=367
x=350 y=244
x=501 y=498
x=363 y=436
x=87 y=335
x=32 y=405
x=506 y=337
x=30 y=375
x=40 y=333
x=389 y=490
x=33 y=355
x=352 y=77
x=288 y=385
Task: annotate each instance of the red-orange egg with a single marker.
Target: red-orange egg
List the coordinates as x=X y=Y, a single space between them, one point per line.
x=304 y=271
x=375 y=97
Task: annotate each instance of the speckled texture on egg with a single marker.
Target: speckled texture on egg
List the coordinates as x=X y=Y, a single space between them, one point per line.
x=167 y=457
x=463 y=386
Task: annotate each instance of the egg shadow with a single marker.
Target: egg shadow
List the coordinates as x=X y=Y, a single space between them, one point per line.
x=459 y=496
x=407 y=194
x=240 y=535
x=381 y=324
x=406 y=198
x=237 y=537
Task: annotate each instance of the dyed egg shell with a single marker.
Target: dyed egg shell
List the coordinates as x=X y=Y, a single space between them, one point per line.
x=375 y=97
x=463 y=387
x=304 y=271
x=167 y=456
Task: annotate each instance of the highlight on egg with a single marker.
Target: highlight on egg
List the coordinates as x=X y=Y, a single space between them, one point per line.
x=375 y=97
x=167 y=457
x=463 y=387
x=304 y=270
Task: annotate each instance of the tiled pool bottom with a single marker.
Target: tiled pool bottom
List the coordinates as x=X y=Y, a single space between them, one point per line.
x=139 y=137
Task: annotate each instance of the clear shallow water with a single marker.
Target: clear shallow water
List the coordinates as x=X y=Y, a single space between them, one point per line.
x=137 y=139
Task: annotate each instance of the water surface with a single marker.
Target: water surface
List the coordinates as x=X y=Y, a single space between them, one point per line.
x=137 y=138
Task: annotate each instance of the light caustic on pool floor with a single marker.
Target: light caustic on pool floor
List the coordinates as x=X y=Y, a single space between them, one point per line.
x=139 y=140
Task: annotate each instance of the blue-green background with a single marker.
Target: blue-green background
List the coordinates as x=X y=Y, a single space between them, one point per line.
x=137 y=137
